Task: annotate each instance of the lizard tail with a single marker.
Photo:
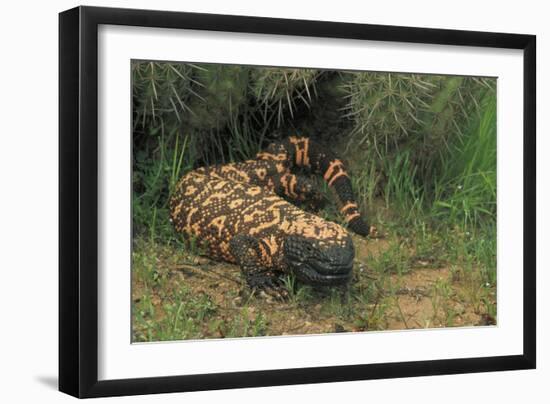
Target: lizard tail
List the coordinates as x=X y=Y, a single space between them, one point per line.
x=305 y=153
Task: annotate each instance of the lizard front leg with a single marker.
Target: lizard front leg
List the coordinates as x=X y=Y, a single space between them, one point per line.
x=247 y=253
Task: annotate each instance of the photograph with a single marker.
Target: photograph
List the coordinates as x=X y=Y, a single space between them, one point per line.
x=273 y=200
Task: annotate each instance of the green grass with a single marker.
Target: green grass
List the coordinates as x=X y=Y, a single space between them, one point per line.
x=465 y=192
x=460 y=279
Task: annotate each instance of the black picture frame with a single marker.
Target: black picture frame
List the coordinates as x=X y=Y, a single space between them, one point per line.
x=78 y=201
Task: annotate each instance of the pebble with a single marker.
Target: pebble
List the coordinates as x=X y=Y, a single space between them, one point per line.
x=200 y=260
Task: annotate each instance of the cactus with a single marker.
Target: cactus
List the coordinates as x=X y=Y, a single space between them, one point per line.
x=225 y=112
x=222 y=95
x=280 y=91
x=385 y=106
x=161 y=93
x=422 y=112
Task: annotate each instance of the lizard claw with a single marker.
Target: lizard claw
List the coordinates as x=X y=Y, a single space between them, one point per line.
x=268 y=286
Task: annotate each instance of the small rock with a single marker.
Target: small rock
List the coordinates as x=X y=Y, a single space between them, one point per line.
x=339 y=328
x=198 y=260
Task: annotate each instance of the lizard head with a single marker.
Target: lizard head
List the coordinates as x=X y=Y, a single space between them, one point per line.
x=323 y=259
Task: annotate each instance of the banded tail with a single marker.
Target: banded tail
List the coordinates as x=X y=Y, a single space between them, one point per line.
x=302 y=152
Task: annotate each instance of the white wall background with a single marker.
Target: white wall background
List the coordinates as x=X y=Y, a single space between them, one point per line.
x=28 y=198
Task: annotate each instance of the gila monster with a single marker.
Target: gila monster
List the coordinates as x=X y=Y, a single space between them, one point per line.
x=245 y=213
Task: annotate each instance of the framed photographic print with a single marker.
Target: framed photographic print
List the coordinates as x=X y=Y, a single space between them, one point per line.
x=251 y=201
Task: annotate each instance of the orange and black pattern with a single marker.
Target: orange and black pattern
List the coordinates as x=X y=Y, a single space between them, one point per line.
x=275 y=176
x=303 y=153
x=242 y=213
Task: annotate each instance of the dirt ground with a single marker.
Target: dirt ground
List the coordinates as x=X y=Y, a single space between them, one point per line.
x=422 y=297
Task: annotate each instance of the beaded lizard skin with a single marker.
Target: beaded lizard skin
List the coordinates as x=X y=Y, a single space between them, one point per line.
x=245 y=213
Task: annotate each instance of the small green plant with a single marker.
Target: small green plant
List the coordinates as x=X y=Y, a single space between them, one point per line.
x=373 y=317
x=401 y=190
x=297 y=293
x=365 y=181
x=245 y=324
x=441 y=302
x=394 y=260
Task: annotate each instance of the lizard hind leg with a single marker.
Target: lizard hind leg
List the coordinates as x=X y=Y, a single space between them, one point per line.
x=246 y=251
